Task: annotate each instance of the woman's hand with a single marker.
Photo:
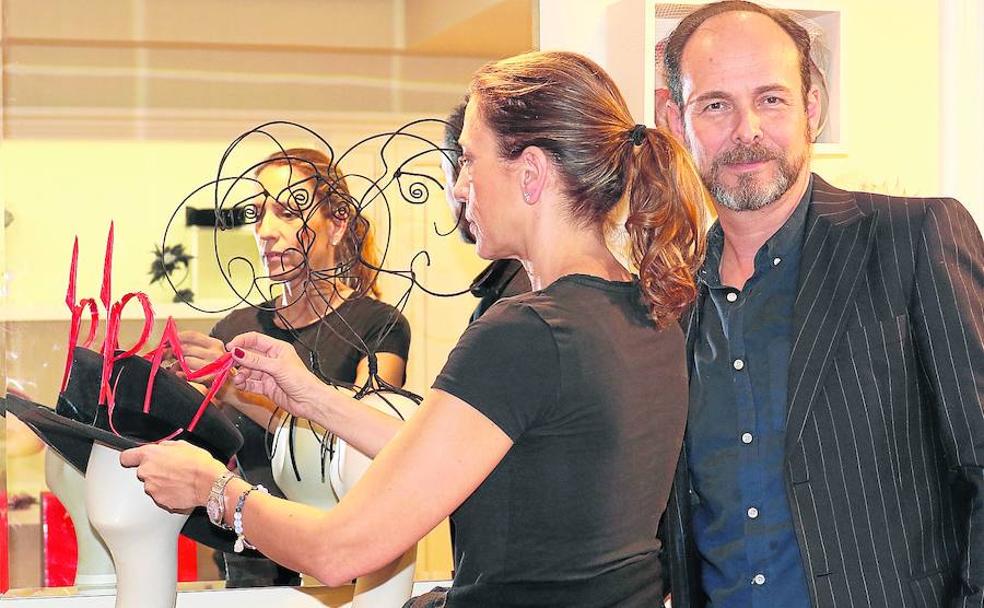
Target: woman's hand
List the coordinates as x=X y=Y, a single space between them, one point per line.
x=176 y=474
x=200 y=350
x=272 y=368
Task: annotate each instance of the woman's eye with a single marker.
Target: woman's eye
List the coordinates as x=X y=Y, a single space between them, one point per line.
x=283 y=211
x=714 y=106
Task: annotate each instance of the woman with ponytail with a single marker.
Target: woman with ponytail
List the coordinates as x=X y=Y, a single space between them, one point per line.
x=552 y=433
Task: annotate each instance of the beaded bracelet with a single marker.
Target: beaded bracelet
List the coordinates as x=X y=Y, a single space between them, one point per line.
x=237 y=520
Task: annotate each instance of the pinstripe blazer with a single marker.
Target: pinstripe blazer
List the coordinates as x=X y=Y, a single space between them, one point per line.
x=884 y=464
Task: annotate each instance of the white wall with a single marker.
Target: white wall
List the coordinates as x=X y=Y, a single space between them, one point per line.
x=962 y=103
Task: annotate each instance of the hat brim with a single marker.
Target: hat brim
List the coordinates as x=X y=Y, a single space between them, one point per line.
x=73 y=442
x=70 y=438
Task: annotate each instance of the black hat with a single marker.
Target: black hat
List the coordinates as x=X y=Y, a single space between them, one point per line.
x=78 y=420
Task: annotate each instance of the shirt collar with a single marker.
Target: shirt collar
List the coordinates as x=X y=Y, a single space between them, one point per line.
x=787 y=239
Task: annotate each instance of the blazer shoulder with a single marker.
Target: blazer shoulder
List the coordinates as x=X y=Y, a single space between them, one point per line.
x=898 y=220
x=912 y=206
x=907 y=211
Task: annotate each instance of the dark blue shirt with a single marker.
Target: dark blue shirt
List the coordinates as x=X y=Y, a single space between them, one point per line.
x=735 y=430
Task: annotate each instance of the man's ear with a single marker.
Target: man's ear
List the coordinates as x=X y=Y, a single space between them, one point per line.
x=674 y=120
x=814 y=111
x=534 y=168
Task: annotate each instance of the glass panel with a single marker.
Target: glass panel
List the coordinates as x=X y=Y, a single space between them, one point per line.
x=116 y=112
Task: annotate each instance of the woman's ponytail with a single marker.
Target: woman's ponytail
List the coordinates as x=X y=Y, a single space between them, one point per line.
x=666 y=222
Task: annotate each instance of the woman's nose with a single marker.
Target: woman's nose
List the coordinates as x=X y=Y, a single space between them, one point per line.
x=460 y=190
x=266 y=228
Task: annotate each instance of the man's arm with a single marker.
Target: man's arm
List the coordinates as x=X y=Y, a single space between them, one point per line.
x=948 y=320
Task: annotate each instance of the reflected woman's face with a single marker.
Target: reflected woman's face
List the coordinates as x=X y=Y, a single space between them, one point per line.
x=293 y=234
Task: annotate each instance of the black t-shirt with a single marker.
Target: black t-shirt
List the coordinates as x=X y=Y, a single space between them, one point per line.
x=594 y=398
x=334 y=342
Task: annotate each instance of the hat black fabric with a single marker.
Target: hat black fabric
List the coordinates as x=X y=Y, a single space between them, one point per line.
x=78 y=420
x=173 y=404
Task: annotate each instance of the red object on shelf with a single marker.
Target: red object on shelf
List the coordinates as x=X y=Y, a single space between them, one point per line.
x=58 y=545
x=187 y=559
x=60 y=548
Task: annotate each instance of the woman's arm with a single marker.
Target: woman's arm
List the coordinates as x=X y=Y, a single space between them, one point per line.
x=442 y=454
x=390 y=367
x=257 y=408
x=292 y=387
x=363 y=427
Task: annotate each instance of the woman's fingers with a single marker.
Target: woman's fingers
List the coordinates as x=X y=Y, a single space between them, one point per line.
x=196 y=363
x=254 y=361
x=201 y=354
x=252 y=381
x=197 y=339
x=134 y=456
x=257 y=342
x=175 y=474
x=256 y=386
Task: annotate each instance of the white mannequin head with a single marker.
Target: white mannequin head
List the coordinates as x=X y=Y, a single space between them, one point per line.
x=390 y=586
x=142 y=537
x=95 y=566
x=344 y=470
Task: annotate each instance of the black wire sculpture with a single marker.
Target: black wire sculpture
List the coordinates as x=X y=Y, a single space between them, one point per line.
x=232 y=207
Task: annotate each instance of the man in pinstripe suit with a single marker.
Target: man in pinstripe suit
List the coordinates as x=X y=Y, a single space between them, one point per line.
x=835 y=443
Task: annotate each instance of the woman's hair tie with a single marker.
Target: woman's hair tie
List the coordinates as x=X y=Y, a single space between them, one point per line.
x=638 y=135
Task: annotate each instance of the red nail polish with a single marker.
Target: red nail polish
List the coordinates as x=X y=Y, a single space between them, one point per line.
x=238 y=353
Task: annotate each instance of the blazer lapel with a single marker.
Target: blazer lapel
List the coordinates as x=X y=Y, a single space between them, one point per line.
x=836 y=246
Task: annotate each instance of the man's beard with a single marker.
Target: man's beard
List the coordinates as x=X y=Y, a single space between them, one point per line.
x=750 y=194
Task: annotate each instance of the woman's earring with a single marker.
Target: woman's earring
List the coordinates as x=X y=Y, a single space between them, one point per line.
x=526 y=197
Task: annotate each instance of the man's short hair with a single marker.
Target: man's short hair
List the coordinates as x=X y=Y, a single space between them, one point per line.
x=678 y=39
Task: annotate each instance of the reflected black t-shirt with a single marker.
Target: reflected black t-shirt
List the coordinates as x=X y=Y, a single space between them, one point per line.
x=336 y=342
x=594 y=398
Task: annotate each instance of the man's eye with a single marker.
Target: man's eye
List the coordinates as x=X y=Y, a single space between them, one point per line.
x=714 y=106
x=773 y=100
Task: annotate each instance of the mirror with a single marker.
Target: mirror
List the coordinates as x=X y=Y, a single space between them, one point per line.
x=116 y=112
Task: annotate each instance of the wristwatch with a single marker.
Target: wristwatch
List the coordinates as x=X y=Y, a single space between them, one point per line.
x=216 y=501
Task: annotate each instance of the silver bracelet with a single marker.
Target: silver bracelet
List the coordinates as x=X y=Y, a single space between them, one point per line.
x=237 y=520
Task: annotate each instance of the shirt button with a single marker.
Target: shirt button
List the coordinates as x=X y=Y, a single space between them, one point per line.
x=752 y=512
x=776 y=261
x=759 y=579
x=732 y=296
x=739 y=364
x=746 y=438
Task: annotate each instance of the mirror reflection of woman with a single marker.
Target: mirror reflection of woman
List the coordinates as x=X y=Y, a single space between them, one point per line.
x=552 y=433
x=320 y=252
